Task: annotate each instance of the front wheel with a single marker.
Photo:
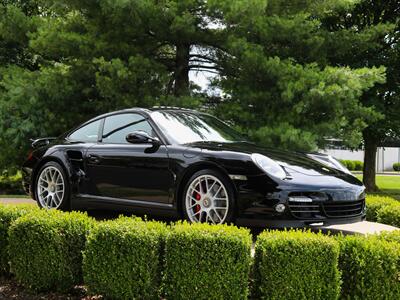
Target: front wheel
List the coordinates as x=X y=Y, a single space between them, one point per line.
x=52 y=189
x=209 y=197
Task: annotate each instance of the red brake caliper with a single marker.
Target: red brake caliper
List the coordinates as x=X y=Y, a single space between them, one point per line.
x=197 y=197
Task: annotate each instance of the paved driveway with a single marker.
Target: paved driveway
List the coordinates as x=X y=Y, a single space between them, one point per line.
x=17 y=201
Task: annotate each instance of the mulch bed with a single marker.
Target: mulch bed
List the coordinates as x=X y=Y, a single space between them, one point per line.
x=10 y=289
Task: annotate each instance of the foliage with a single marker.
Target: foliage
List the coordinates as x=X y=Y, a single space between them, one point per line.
x=396 y=167
x=389 y=215
x=370 y=268
x=368 y=34
x=390 y=236
x=375 y=203
x=296 y=265
x=122 y=259
x=8 y=214
x=11 y=184
x=47 y=247
x=278 y=83
x=64 y=61
x=353 y=165
x=207 y=262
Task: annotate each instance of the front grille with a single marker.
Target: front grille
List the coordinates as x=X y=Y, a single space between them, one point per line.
x=321 y=210
x=343 y=208
x=305 y=210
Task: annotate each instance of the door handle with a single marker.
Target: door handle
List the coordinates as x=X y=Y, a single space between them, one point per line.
x=94 y=159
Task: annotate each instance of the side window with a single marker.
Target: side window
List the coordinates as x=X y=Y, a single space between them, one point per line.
x=87 y=133
x=117 y=127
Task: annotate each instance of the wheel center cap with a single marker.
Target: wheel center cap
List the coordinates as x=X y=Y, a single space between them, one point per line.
x=206 y=202
x=52 y=188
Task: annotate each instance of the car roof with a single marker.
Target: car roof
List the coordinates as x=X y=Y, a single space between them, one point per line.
x=146 y=111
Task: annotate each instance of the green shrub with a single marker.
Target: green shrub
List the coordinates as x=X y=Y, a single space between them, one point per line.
x=370 y=268
x=390 y=236
x=47 y=247
x=375 y=203
x=11 y=184
x=352 y=165
x=8 y=214
x=390 y=215
x=396 y=167
x=296 y=265
x=123 y=258
x=358 y=165
x=207 y=262
x=344 y=163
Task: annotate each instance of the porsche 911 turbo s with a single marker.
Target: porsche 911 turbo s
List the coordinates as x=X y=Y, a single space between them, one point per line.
x=187 y=164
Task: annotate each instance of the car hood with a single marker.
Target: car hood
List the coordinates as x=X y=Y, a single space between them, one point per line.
x=293 y=162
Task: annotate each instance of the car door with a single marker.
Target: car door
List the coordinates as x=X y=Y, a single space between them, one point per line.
x=120 y=170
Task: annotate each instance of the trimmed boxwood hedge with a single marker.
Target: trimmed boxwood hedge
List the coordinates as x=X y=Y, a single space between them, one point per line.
x=47 y=247
x=389 y=215
x=123 y=259
x=370 y=268
x=296 y=265
x=390 y=236
x=352 y=165
x=375 y=203
x=8 y=214
x=207 y=262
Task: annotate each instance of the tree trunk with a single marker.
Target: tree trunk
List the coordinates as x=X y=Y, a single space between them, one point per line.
x=369 y=171
x=181 y=86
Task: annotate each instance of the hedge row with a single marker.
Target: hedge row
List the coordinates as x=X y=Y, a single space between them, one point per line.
x=352 y=165
x=296 y=265
x=8 y=214
x=123 y=259
x=207 y=262
x=384 y=210
x=129 y=258
x=47 y=247
x=370 y=268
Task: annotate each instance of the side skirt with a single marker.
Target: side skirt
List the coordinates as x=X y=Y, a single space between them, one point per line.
x=90 y=202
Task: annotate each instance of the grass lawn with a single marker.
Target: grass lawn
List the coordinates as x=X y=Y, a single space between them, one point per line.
x=389 y=185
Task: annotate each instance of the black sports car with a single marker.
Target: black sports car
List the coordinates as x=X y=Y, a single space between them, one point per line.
x=184 y=163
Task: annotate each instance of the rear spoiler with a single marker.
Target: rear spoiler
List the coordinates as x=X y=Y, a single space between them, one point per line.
x=41 y=142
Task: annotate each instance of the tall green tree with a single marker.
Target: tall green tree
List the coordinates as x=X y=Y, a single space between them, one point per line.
x=369 y=36
x=280 y=86
x=75 y=59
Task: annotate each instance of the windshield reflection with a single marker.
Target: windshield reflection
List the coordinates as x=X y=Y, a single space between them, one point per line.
x=187 y=127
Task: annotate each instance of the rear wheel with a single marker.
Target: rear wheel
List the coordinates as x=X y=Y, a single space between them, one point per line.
x=52 y=188
x=209 y=197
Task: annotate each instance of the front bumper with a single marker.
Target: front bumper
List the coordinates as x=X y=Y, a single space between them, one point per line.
x=307 y=206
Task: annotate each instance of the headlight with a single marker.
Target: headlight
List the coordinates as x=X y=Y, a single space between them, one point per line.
x=329 y=161
x=268 y=165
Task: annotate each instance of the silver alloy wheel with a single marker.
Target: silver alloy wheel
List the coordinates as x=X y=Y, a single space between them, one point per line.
x=50 y=188
x=207 y=200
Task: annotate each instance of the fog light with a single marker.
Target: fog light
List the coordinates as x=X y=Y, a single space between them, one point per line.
x=280 y=208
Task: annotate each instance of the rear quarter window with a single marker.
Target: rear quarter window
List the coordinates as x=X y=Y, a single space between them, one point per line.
x=87 y=133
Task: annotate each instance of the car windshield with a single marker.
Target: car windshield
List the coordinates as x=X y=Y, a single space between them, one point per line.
x=187 y=127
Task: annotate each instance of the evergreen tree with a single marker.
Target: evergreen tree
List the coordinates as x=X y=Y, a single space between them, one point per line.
x=280 y=87
x=369 y=36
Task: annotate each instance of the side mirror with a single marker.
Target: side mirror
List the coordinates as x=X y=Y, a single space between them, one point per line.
x=142 y=137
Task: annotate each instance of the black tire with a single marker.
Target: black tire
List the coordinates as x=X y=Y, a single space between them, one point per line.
x=65 y=201
x=230 y=215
